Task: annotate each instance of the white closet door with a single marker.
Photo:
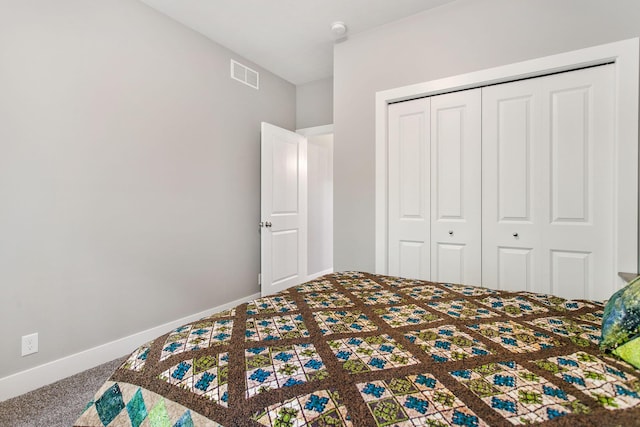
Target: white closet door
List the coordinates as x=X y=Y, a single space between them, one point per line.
x=456 y=187
x=579 y=175
x=511 y=159
x=409 y=211
x=548 y=183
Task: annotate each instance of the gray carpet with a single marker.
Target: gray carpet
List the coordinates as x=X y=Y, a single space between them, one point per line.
x=58 y=404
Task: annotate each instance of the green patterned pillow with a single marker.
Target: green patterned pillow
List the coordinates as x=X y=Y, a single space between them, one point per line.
x=621 y=323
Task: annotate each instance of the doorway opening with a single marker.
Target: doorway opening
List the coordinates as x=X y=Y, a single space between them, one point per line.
x=319 y=200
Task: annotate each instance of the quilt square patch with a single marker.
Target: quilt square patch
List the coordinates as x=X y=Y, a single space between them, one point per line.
x=594 y=317
x=374 y=353
x=516 y=306
x=425 y=292
x=316 y=286
x=327 y=300
x=406 y=315
x=347 y=275
x=515 y=337
x=281 y=366
x=206 y=376
x=198 y=335
x=611 y=387
x=359 y=284
x=415 y=400
x=317 y=409
x=470 y=291
x=518 y=394
x=337 y=322
x=276 y=328
x=138 y=358
x=400 y=282
x=275 y=304
x=558 y=303
x=382 y=296
x=462 y=309
x=580 y=334
x=447 y=343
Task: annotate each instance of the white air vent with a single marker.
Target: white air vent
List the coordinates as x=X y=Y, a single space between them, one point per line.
x=244 y=74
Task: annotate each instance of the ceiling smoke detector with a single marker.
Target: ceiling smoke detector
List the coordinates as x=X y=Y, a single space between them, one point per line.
x=339 y=29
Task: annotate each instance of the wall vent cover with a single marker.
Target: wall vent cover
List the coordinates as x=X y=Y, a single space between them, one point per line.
x=244 y=74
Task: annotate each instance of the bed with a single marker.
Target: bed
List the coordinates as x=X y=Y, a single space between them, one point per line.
x=357 y=349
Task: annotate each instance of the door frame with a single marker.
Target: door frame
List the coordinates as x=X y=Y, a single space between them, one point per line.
x=623 y=54
x=315 y=130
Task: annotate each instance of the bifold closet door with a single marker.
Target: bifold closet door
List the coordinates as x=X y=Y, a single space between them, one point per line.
x=409 y=183
x=548 y=184
x=456 y=187
x=512 y=158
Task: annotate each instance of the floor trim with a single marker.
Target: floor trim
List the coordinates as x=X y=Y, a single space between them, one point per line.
x=319 y=273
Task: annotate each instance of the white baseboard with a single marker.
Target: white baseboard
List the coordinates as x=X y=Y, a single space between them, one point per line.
x=318 y=274
x=38 y=376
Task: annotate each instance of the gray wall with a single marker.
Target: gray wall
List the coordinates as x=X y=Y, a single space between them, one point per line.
x=460 y=37
x=129 y=174
x=314 y=103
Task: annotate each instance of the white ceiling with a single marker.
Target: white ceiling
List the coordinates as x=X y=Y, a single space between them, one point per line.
x=291 y=38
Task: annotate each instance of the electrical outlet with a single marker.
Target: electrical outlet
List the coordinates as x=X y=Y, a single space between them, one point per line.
x=29 y=344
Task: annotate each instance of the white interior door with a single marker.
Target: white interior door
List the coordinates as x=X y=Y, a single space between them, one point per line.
x=283 y=206
x=456 y=187
x=409 y=183
x=548 y=184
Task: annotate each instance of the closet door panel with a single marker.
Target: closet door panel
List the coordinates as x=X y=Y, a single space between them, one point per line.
x=510 y=160
x=448 y=163
x=571 y=189
x=571 y=273
x=411 y=259
x=409 y=183
x=515 y=268
x=578 y=234
x=514 y=159
x=449 y=260
x=455 y=187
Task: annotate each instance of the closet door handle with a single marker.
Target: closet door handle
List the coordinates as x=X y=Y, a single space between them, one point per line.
x=267 y=224
x=515 y=235
x=450 y=232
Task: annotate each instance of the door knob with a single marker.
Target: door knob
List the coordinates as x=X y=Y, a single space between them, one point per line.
x=450 y=232
x=515 y=234
x=267 y=224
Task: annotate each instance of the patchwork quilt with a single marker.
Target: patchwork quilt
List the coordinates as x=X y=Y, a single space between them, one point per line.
x=356 y=349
